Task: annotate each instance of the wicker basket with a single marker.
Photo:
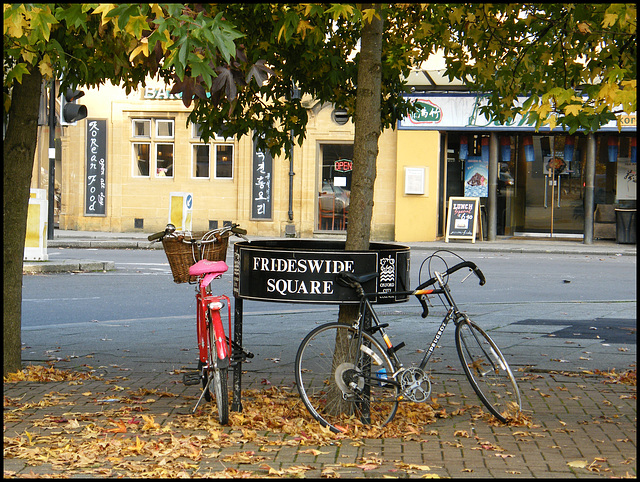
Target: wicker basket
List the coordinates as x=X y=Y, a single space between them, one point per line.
x=183 y=251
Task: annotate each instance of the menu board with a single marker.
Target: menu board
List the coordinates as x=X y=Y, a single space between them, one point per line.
x=462 y=218
x=96 y=172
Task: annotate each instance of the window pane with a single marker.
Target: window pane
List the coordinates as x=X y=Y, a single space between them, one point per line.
x=201 y=160
x=335 y=192
x=141 y=128
x=164 y=160
x=224 y=161
x=141 y=160
x=165 y=128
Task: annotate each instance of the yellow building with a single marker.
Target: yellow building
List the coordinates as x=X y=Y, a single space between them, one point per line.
x=143 y=151
x=119 y=168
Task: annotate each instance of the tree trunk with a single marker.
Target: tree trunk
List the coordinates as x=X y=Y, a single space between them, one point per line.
x=19 y=150
x=365 y=149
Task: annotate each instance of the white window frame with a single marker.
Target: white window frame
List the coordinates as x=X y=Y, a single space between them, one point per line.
x=194 y=161
x=160 y=122
x=155 y=157
x=134 y=166
x=215 y=160
x=133 y=128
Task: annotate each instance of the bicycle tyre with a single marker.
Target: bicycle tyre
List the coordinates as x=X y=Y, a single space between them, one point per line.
x=487 y=371
x=322 y=382
x=218 y=386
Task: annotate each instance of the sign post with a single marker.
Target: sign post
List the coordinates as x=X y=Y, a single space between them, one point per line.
x=462 y=218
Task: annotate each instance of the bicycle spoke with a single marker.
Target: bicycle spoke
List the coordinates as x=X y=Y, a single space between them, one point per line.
x=337 y=380
x=487 y=371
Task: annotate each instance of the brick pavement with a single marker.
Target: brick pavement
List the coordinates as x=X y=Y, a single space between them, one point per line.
x=580 y=426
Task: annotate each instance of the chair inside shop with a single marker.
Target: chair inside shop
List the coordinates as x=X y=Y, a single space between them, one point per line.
x=326 y=211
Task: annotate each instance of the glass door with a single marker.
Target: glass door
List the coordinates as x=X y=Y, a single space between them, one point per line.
x=551 y=178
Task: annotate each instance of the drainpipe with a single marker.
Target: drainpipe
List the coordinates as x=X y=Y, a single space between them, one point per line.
x=589 y=189
x=493 y=188
x=295 y=94
x=291 y=174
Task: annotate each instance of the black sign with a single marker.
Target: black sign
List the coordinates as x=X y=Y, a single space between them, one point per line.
x=462 y=218
x=261 y=189
x=96 y=173
x=304 y=271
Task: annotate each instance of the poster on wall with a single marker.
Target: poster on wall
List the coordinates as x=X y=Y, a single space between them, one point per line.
x=476 y=177
x=261 y=185
x=96 y=172
x=626 y=179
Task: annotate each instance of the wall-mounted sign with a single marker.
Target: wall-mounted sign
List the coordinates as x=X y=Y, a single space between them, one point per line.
x=160 y=93
x=415 y=180
x=343 y=165
x=428 y=113
x=96 y=172
x=261 y=187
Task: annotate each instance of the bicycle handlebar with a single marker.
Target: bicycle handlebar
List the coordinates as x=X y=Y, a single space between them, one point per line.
x=465 y=264
x=234 y=228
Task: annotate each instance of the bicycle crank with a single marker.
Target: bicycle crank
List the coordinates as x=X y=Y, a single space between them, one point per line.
x=415 y=385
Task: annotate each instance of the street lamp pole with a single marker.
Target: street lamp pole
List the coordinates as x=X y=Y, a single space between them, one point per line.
x=52 y=157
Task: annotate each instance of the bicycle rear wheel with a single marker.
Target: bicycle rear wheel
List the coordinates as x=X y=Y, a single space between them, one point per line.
x=487 y=371
x=337 y=379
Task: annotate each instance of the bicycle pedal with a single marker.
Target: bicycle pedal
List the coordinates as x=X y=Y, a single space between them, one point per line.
x=191 y=378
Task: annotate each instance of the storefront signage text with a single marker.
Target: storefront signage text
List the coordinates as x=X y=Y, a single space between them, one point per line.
x=261 y=185
x=343 y=165
x=96 y=168
x=160 y=93
x=427 y=113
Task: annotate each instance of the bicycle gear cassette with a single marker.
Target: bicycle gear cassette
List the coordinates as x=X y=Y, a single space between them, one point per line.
x=347 y=373
x=415 y=385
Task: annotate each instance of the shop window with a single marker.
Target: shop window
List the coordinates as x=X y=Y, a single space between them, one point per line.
x=219 y=136
x=164 y=128
x=164 y=160
x=201 y=160
x=157 y=150
x=224 y=161
x=142 y=128
x=141 y=159
x=335 y=189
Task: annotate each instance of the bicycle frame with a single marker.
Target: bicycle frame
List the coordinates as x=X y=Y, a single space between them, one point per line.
x=366 y=307
x=214 y=303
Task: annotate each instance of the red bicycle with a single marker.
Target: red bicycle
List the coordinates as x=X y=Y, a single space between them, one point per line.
x=199 y=258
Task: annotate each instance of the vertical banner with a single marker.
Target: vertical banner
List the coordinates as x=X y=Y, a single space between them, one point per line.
x=96 y=173
x=261 y=188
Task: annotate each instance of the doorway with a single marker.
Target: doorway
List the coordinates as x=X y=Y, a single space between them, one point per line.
x=551 y=177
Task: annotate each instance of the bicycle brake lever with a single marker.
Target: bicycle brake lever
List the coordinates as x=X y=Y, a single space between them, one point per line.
x=465 y=278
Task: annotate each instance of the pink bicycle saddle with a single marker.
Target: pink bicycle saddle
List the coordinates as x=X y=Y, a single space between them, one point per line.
x=212 y=269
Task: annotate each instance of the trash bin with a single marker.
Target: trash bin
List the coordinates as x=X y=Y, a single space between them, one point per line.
x=626 y=226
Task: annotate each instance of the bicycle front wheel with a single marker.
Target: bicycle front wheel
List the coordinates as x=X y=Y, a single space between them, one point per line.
x=487 y=371
x=338 y=379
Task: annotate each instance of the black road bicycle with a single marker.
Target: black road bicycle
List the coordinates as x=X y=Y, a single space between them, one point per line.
x=354 y=369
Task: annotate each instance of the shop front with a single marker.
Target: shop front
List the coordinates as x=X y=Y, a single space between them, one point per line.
x=541 y=177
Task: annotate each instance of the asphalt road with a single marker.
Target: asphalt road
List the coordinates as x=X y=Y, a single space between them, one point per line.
x=546 y=311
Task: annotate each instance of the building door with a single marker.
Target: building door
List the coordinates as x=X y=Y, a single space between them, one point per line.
x=550 y=176
x=335 y=186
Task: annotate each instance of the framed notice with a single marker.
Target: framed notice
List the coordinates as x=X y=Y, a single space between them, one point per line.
x=462 y=218
x=95 y=194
